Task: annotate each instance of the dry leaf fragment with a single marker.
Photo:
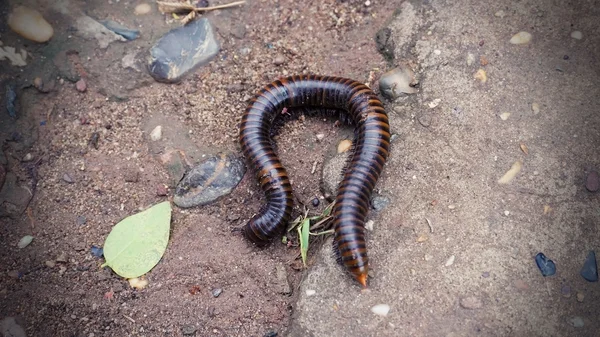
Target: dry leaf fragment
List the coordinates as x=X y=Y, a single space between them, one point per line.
x=481 y=75
x=524 y=148
x=422 y=238
x=512 y=173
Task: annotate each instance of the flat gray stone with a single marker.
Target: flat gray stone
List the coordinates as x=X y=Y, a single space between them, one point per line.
x=211 y=179
x=182 y=50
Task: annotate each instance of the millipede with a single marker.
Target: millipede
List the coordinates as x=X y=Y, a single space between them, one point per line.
x=370 y=152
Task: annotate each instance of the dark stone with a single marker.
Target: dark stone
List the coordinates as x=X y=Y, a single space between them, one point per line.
x=315 y=202
x=212 y=178
x=117 y=28
x=592 y=182
x=385 y=44
x=81 y=220
x=94 y=140
x=188 y=330
x=182 y=50
x=11 y=98
x=590 y=268
x=546 y=266
x=68 y=179
x=14 y=198
x=271 y=334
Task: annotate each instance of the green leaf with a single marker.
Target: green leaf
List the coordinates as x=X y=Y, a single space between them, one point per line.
x=303 y=232
x=138 y=242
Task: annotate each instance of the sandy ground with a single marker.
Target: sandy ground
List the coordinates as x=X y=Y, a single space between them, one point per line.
x=470 y=272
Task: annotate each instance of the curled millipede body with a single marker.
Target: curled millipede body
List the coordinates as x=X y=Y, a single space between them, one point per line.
x=371 y=146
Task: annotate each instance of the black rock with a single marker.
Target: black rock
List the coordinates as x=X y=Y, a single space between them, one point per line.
x=590 y=268
x=11 y=98
x=546 y=266
x=117 y=28
x=182 y=50
x=214 y=177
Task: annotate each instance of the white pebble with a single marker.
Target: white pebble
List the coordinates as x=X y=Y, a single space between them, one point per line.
x=535 y=108
x=369 y=225
x=577 y=322
x=577 y=35
x=470 y=59
x=381 y=309
x=434 y=103
x=25 y=241
x=28 y=157
x=142 y=9
x=507 y=213
x=500 y=14
x=310 y=292
x=156 y=134
x=450 y=261
x=320 y=137
x=521 y=38
x=437 y=52
x=504 y=116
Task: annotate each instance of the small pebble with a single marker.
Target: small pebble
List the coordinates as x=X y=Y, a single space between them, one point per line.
x=30 y=24
x=94 y=138
x=580 y=297
x=156 y=134
x=142 y=9
x=50 y=264
x=500 y=14
x=471 y=302
x=320 y=137
x=369 y=225
x=271 y=334
x=25 y=241
x=577 y=35
x=450 y=261
x=162 y=190
x=344 y=146
x=81 y=220
x=97 y=251
x=535 y=108
x=67 y=178
x=279 y=60
x=28 y=157
x=381 y=309
x=188 y=330
x=506 y=213
x=577 y=322
x=521 y=38
x=565 y=291
x=504 y=116
x=398 y=81
x=589 y=271
x=38 y=83
x=379 y=202
x=216 y=292
x=132 y=176
x=81 y=86
x=592 y=182
x=315 y=202
x=310 y=292
x=433 y=104
x=485 y=274
x=546 y=266
x=470 y=59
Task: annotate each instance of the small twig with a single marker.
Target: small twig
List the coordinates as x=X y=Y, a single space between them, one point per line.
x=320 y=223
x=175 y=7
x=430 y=225
x=330 y=231
x=129 y=318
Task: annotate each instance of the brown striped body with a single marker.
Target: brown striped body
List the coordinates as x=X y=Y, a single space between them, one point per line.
x=371 y=148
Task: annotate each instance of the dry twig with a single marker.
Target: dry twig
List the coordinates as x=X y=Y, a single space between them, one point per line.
x=190 y=10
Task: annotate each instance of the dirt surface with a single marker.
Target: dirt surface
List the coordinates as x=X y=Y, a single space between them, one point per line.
x=444 y=166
